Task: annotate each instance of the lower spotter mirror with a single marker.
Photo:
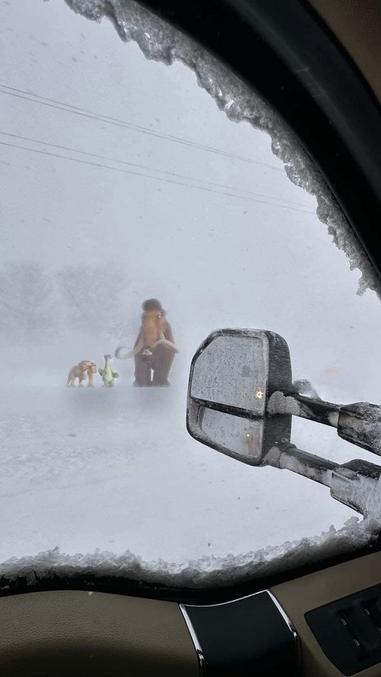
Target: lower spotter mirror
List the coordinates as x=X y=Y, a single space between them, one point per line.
x=241 y=400
x=233 y=374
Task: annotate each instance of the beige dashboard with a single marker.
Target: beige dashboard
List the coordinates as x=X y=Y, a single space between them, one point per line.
x=88 y=634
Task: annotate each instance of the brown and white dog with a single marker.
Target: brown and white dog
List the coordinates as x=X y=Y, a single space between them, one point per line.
x=80 y=371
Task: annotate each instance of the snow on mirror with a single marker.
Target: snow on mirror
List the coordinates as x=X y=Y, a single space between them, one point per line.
x=230 y=377
x=137 y=218
x=231 y=371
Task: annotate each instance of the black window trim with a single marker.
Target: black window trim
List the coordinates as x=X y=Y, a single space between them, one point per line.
x=285 y=52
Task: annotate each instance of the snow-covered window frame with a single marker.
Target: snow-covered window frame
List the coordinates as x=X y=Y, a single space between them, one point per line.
x=160 y=41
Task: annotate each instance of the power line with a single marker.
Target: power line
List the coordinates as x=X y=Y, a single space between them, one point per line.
x=115 y=169
x=76 y=110
x=148 y=168
x=102 y=166
x=126 y=171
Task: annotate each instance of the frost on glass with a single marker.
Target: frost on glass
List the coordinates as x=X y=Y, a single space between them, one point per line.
x=162 y=42
x=196 y=573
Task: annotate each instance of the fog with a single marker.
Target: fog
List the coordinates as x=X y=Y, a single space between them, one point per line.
x=121 y=180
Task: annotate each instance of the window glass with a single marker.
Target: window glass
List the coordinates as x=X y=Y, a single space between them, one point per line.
x=122 y=182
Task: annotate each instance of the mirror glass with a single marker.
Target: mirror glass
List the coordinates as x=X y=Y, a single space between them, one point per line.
x=237 y=435
x=232 y=371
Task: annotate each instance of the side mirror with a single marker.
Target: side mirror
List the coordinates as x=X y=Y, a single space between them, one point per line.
x=241 y=401
x=232 y=377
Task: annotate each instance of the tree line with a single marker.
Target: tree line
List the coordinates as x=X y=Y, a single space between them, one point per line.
x=36 y=306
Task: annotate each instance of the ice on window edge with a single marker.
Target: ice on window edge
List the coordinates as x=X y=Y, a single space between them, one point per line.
x=198 y=573
x=160 y=41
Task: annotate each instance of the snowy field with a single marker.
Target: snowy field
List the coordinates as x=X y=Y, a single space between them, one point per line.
x=115 y=469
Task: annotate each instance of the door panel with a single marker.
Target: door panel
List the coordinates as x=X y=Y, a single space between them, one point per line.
x=302 y=595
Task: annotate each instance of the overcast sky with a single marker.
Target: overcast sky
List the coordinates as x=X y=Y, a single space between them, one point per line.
x=235 y=244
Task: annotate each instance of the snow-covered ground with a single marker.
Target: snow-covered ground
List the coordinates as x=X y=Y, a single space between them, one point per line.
x=115 y=469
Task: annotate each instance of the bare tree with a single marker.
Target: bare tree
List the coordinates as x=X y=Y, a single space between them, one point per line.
x=91 y=295
x=27 y=309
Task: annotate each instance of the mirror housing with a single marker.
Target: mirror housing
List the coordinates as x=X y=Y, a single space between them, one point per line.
x=241 y=400
x=232 y=376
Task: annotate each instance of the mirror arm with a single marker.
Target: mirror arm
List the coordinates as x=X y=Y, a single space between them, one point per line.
x=354 y=483
x=301 y=462
x=358 y=423
x=305 y=407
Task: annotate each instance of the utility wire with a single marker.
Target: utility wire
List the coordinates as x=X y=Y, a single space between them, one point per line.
x=278 y=202
x=148 y=176
x=76 y=110
x=115 y=169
